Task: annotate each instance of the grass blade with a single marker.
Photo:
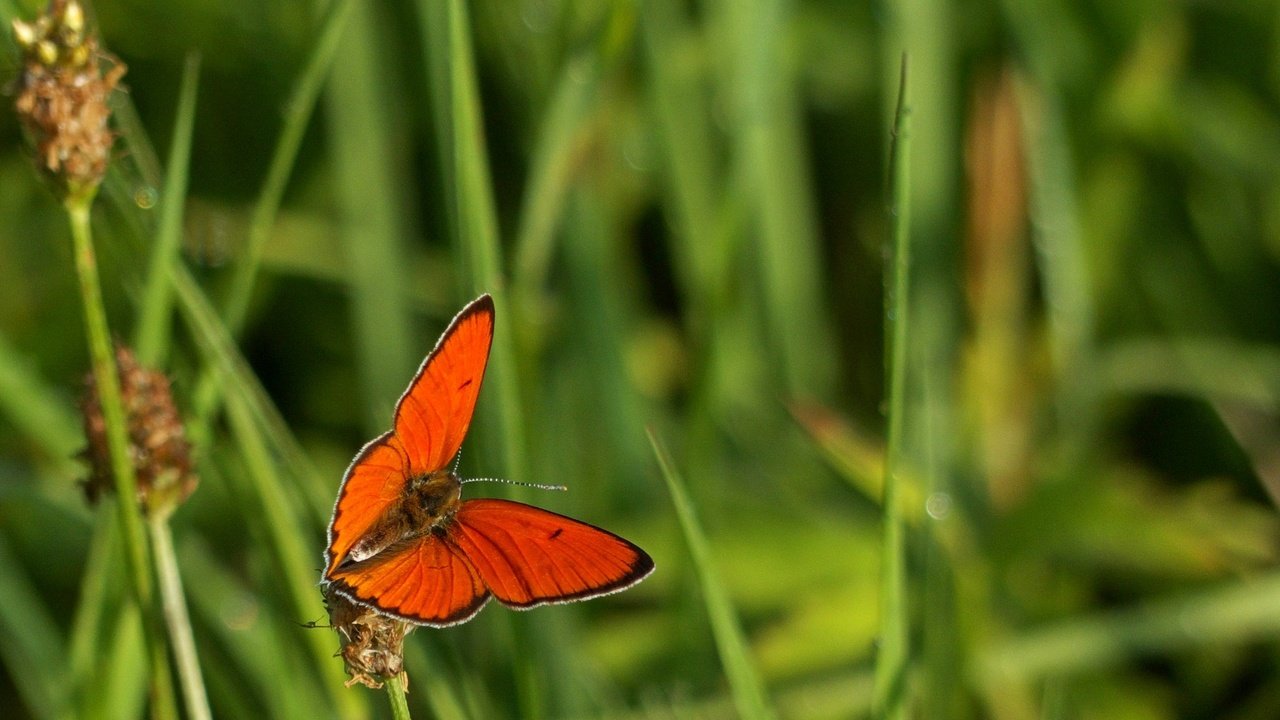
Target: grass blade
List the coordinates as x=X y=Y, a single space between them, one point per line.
x=771 y=165
x=371 y=225
x=1234 y=613
x=558 y=152
x=472 y=213
x=174 y=606
x=298 y=113
x=274 y=512
x=33 y=648
x=152 y=333
x=748 y=692
x=891 y=663
x=473 y=222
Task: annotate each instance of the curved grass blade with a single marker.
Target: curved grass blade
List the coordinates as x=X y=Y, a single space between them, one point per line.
x=748 y=692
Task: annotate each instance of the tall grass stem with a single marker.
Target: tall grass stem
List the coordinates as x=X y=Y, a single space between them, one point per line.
x=107 y=379
x=891 y=662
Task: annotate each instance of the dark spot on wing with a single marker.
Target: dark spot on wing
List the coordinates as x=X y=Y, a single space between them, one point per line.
x=465 y=383
x=555 y=533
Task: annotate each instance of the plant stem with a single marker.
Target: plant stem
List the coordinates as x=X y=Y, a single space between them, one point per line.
x=108 y=383
x=178 y=621
x=395 y=693
x=891 y=665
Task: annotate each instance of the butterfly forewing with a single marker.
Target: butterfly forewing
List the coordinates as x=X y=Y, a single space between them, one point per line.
x=434 y=413
x=374 y=482
x=431 y=420
x=528 y=556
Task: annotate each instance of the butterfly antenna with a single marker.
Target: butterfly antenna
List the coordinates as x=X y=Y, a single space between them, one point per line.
x=457 y=460
x=504 y=481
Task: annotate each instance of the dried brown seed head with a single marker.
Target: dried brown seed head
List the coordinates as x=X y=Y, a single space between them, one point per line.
x=158 y=446
x=372 y=643
x=62 y=97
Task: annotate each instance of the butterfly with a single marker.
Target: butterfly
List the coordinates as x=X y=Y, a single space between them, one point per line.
x=404 y=542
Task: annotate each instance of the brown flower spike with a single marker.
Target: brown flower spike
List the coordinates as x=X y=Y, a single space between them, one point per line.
x=372 y=643
x=158 y=446
x=62 y=97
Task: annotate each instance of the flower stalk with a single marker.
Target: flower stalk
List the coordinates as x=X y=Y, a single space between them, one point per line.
x=107 y=381
x=62 y=105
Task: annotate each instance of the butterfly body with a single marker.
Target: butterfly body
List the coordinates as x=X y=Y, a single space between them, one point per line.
x=403 y=541
x=428 y=501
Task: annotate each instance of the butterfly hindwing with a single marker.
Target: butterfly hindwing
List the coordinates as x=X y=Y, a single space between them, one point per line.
x=527 y=556
x=426 y=581
x=434 y=413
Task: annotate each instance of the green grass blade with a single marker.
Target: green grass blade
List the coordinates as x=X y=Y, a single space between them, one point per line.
x=260 y=645
x=471 y=209
x=687 y=150
x=102 y=563
x=33 y=647
x=298 y=111
x=770 y=163
x=894 y=653
x=119 y=689
x=297 y=115
x=363 y=159
x=174 y=605
x=38 y=411
x=454 y=88
x=558 y=152
x=273 y=510
x=221 y=353
x=1061 y=259
x=152 y=334
x=1234 y=613
x=748 y=691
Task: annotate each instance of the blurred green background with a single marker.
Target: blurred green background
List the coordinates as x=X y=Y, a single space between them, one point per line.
x=683 y=208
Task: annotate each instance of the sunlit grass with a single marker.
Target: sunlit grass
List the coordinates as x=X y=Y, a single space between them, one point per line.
x=682 y=212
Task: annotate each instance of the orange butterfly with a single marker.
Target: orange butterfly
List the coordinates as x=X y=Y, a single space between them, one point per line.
x=402 y=540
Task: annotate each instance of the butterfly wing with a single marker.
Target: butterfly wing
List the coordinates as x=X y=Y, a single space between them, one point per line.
x=374 y=482
x=425 y=580
x=433 y=415
x=528 y=556
x=431 y=420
